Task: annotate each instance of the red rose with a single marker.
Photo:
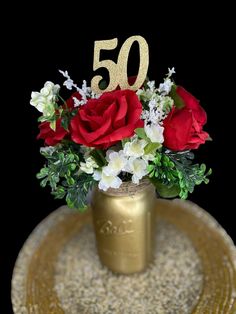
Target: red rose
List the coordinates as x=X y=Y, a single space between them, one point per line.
x=183 y=127
x=51 y=137
x=105 y=121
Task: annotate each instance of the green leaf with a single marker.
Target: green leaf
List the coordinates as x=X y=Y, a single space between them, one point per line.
x=203 y=167
x=59 y=193
x=53 y=125
x=99 y=157
x=74 y=112
x=42 y=119
x=70 y=180
x=69 y=158
x=61 y=157
x=43 y=173
x=72 y=166
x=166 y=191
x=44 y=182
x=65 y=122
x=141 y=133
x=70 y=200
x=209 y=172
x=151 y=148
x=150 y=168
x=178 y=101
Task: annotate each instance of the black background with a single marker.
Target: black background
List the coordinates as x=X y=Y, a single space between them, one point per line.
x=197 y=43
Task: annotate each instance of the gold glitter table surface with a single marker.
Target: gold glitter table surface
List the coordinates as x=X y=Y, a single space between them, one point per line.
x=37 y=285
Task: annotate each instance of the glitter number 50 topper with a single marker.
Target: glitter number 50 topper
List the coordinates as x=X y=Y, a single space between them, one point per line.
x=118 y=71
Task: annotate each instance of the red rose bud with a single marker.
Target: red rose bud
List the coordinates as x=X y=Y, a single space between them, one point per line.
x=183 y=127
x=51 y=137
x=105 y=121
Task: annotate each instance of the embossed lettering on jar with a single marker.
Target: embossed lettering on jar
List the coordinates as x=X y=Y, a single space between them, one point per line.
x=124 y=225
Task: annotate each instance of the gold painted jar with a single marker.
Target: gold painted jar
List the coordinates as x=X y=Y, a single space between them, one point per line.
x=124 y=225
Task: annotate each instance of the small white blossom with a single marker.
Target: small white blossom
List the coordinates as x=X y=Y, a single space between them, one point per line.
x=135 y=148
x=107 y=182
x=164 y=88
x=151 y=85
x=108 y=152
x=154 y=132
x=77 y=102
x=158 y=108
x=116 y=163
x=45 y=100
x=88 y=166
x=138 y=168
x=85 y=91
x=170 y=72
x=69 y=83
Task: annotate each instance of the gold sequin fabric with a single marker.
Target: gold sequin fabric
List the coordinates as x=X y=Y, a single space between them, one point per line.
x=194 y=270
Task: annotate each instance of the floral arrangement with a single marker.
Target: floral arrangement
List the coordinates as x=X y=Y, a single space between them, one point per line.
x=119 y=136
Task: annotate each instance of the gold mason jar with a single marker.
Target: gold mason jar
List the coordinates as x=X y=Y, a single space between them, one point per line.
x=124 y=225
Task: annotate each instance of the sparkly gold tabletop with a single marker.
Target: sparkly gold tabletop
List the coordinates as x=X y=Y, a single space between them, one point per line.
x=194 y=270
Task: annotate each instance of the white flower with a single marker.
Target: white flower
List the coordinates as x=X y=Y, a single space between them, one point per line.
x=50 y=90
x=137 y=167
x=88 y=166
x=106 y=182
x=151 y=85
x=85 y=91
x=97 y=175
x=135 y=148
x=116 y=163
x=77 y=102
x=170 y=72
x=154 y=132
x=164 y=88
x=45 y=99
x=69 y=83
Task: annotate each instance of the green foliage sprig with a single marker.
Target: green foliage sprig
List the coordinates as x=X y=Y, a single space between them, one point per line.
x=174 y=174
x=61 y=172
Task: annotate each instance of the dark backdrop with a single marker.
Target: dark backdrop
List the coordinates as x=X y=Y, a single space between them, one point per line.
x=198 y=47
